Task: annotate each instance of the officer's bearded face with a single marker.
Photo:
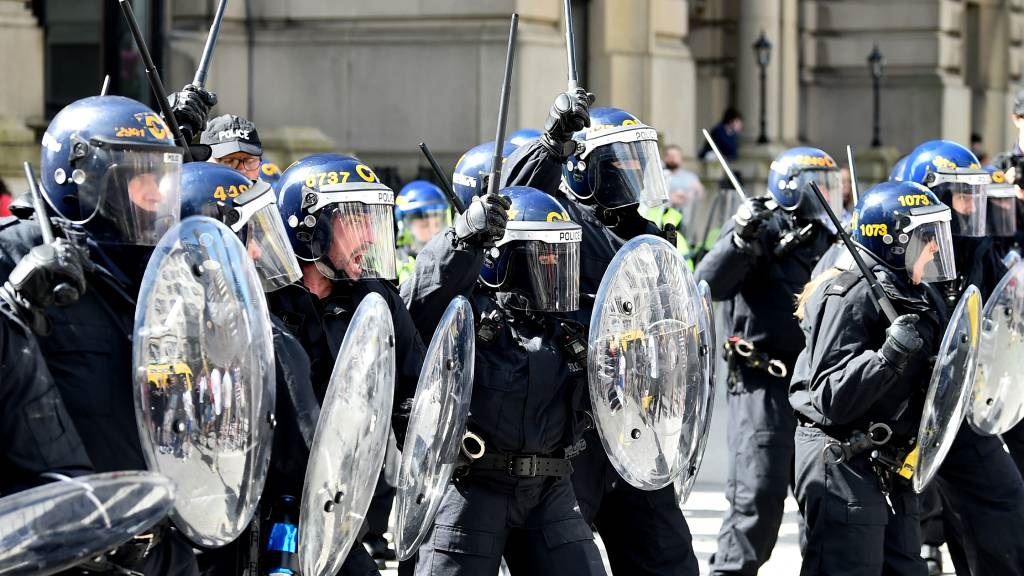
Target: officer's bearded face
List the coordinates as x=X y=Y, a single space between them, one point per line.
x=353 y=235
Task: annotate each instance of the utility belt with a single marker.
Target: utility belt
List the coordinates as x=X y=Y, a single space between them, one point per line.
x=523 y=465
x=739 y=350
x=891 y=460
x=474 y=457
x=131 y=553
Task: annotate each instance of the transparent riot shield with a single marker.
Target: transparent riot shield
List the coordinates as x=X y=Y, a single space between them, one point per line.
x=949 y=391
x=350 y=440
x=436 y=426
x=52 y=527
x=997 y=403
x=705 y=398
x=644 y=362
x=204 y=378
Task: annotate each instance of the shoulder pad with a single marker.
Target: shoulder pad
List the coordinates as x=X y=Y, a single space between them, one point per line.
x=842 y=283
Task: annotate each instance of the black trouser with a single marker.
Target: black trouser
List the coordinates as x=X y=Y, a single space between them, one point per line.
x=1014 y=439
x=760 y=444
x=850 y=529
x=644 y=532
x=984 y=489
x=534 y=523
x=940 y=525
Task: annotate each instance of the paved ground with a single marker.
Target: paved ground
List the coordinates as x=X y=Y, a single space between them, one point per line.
x=704 y=515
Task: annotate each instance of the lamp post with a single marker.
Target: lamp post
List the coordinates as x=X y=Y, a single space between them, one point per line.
x=876 y=63
x=763 y=53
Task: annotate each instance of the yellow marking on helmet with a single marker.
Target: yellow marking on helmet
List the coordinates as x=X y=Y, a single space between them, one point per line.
x=157 y=127
x=998 y=177
x=914 y=200
x=871 y=230
x=512 y=213
x=942 y=162
x=808 y=161
x=560 y=216
x=270 y=169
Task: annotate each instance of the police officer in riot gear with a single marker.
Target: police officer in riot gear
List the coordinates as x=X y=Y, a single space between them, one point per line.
x=858 y=387
x=469 y=179
x=36 y=432
x=339 y=220
x=601 y=175
x=761 y=261
x=988 y=509
x=421 y=211
x=516 y=500
x=110 y=167
x=250 y=210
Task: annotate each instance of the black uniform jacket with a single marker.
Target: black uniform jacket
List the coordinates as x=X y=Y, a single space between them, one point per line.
x=526 y=390
x=764 y=286
x=840 y=380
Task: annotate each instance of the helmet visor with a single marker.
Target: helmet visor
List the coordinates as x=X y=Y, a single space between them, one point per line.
x=964 y=192
x=129 y=194
x=547 y=276
x=423 y=225
x=831 y=186
x=929 y=255
x=267 y=242
x=1002 y=210
x=626 y=173
x=353 y=240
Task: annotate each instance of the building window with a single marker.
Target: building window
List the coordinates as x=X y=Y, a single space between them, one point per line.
x=88 y=39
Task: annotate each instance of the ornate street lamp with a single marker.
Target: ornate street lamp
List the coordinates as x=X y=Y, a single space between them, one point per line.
x=876 y=63
x=763 y=53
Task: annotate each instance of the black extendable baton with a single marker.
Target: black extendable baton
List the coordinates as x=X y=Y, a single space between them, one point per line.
x=211 y=43
x=499 y=138
x=154 y=79
x=877 y=293
x=446 y=186
x=39 y=205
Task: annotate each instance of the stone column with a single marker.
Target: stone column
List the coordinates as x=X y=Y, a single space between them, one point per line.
x=788 y=110
x=21 y=92
x=756 y=16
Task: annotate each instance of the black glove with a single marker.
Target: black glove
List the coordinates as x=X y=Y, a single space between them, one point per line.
x=191 y=107
x=569 y=114
x=750 y=221
x=49 y=274
x=484 y=220
x=902 y=342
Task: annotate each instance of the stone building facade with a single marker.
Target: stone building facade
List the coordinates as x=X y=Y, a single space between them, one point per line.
x=376 y=78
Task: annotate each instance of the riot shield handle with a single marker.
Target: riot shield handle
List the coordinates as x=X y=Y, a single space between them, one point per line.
x=570 y=46
x=211 y=43
x=446 y=186
x=725 y=166
x=877 y=294
x=499 y=138
x=853 y=175
x=154 y=79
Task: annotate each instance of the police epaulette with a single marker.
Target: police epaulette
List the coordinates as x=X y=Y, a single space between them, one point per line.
x=8 y=221
x=842 y=284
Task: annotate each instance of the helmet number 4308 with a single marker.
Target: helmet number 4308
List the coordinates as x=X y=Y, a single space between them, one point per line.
x=221 y=193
